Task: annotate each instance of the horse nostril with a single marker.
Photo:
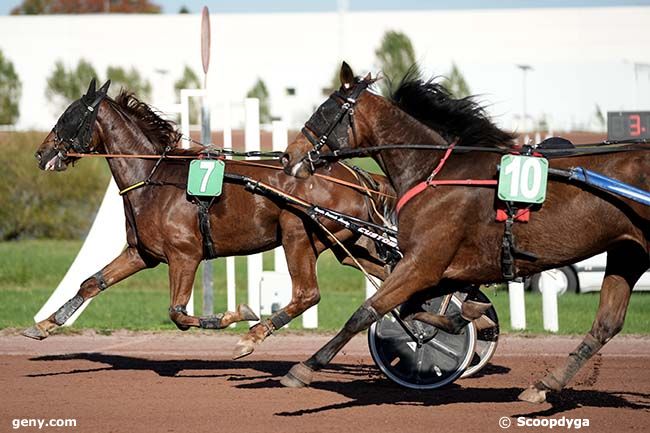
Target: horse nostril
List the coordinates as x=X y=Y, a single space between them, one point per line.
x=285 y=159
x=38 y=156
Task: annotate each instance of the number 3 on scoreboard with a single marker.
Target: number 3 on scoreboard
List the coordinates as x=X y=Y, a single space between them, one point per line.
x=523 y=179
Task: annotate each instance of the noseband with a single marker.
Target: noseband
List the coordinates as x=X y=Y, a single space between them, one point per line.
x=79 y=141
x=320 y=132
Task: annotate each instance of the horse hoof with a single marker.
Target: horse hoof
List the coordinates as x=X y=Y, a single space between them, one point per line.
x=246 y=313
x=533 y=395
x=243 y=348
x=36 y=333
x=298 y=377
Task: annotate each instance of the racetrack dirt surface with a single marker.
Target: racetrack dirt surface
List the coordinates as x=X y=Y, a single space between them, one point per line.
x=170 y=382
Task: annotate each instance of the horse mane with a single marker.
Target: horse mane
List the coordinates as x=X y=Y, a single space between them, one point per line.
x=432 y=104
x=160 y=132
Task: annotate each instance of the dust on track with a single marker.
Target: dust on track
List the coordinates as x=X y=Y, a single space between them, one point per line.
x=168 y=382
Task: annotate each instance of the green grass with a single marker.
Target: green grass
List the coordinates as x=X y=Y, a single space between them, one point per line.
x=30 y=270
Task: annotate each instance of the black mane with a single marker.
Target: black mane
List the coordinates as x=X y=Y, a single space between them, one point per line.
x=463 y=119
x=159 y=131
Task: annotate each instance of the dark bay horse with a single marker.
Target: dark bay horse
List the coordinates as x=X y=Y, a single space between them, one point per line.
x=449 y=234
x=162 y=222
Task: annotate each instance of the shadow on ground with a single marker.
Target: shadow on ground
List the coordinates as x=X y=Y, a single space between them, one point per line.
x=367 y=386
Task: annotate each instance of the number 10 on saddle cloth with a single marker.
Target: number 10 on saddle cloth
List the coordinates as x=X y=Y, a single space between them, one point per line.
x=523 y=179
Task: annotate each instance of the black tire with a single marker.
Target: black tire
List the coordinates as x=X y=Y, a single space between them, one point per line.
x=567 y=273
x=429 y=366
x=486 y=340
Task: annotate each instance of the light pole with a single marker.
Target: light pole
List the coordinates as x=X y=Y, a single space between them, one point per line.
x=524 y=70
x=638 y=68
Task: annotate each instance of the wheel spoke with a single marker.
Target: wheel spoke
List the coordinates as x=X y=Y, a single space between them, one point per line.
x=445 y=349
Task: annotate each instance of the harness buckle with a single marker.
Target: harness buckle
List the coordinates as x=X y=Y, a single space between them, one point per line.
x=313 y=156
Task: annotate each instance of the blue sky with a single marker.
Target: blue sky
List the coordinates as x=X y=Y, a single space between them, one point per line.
x=172 y=6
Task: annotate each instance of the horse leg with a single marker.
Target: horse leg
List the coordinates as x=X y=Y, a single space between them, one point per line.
x=182 y=271
x=621 y=274
x=301 y=261
x=454 y=323
x=126 y=264
x=397 y=289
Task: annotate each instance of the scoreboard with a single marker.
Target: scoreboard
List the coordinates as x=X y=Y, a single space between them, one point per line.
x=628 y=125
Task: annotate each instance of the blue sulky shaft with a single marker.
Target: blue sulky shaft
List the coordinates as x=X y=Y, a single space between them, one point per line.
x=610 y=185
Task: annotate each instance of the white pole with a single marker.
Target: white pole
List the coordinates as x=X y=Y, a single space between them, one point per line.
x=517 y=305
x=231 y=287
x=254 y=261
x=185 y=144
x=370 y=288
x=280 y=142
x=550 y=287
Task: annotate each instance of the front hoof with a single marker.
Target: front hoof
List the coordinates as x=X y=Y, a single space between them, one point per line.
x=298 y=377
x=533 y=395
x=36 y=332
x=246 y=313
x=243 y=348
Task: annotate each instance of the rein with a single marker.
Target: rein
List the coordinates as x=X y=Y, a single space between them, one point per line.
x=607 y=146
x=232 y=161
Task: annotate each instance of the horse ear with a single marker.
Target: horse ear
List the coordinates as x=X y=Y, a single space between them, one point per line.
x=91 y=88
x=105 y=86
x=346 y=75
x=368 y=77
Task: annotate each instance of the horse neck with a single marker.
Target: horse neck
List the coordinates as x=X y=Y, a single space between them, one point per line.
x=404 y=167
x=120 y=136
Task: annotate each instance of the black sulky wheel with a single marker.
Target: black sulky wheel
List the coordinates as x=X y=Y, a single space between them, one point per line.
x=417 y=355
x=487 y=339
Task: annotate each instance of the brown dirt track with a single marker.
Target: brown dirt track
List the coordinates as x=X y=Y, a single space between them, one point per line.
x=169 y=382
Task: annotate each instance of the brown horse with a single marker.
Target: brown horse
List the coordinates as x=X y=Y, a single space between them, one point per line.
x=449 y=233
x=163 y=224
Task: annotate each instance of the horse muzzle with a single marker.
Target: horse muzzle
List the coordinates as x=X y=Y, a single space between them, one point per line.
x=53 y=160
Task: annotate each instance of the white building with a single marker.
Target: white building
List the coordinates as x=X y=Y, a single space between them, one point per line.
x=581 y=57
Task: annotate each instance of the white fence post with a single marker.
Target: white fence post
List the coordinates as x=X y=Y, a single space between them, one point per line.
x=252 y=142
x=549 y=286
x=517 y=305
x=231 y=282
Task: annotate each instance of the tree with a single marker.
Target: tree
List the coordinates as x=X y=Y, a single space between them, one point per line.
x=129 y=80
x=395 y=56
x=189 y=80
x=65 y=86
x=456 y=84
x=183 y=10
x=10 y=91
x=260 y=92
x=38 y=7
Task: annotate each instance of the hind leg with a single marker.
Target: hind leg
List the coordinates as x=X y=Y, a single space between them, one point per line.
x=301 y=260
x=623 y=271
x=126 y=264
x=397 y=289
x=182 y=271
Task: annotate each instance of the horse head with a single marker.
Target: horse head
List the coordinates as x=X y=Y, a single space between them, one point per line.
x=74 y=132
x=337 y=124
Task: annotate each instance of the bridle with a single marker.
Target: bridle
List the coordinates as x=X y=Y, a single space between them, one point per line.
x=79 y=140
x=321 y=132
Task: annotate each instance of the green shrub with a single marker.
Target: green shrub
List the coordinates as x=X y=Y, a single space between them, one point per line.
x=38 y=204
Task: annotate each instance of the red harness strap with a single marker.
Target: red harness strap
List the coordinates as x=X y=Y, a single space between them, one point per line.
x=417 y=189
x=522 y=215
